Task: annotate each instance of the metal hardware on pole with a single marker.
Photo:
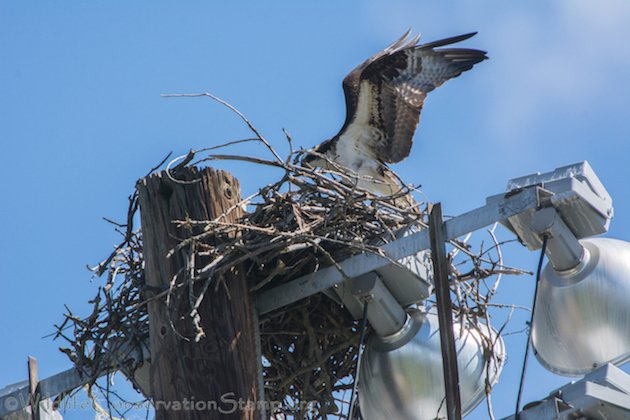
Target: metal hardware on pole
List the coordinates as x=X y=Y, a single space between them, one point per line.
x=33 y=388
x=444 y=308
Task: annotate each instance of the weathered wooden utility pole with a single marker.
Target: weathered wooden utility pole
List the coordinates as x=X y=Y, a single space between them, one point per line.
x=216 y=377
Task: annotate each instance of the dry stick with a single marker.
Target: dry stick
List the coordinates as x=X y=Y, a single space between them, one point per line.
x=159 y=165
x=500 y=260
x=231 y=108
x=290 y=141
x=227 y=144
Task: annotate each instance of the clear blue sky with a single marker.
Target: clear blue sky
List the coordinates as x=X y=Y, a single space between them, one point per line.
x=82 y=119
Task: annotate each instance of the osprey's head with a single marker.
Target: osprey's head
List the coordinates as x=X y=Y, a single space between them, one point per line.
x=314 y=158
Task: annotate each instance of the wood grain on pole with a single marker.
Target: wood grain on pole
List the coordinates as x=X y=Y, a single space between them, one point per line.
x=216 y=377
x=445 y=312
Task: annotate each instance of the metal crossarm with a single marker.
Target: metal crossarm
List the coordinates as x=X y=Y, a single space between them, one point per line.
x=66 y=381
x=54 y=385
x=511 y=204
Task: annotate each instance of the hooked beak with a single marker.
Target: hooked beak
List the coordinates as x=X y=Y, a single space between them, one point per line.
x=311 y=159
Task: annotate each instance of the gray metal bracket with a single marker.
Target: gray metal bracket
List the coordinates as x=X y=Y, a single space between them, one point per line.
x=601 y=395
x=68 y=380
x=577 y=194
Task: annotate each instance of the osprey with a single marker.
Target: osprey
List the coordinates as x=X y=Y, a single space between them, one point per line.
x=384 y=97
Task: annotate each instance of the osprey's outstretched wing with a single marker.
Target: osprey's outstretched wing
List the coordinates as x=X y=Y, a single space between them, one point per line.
x=385 y=94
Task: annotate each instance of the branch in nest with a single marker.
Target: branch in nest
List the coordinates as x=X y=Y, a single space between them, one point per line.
x=307 y=219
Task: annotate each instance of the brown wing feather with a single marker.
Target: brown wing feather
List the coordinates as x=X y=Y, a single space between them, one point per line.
x=399 y=81
x=351 y=83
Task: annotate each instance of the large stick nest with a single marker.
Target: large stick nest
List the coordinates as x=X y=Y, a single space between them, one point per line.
x=307 y=220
